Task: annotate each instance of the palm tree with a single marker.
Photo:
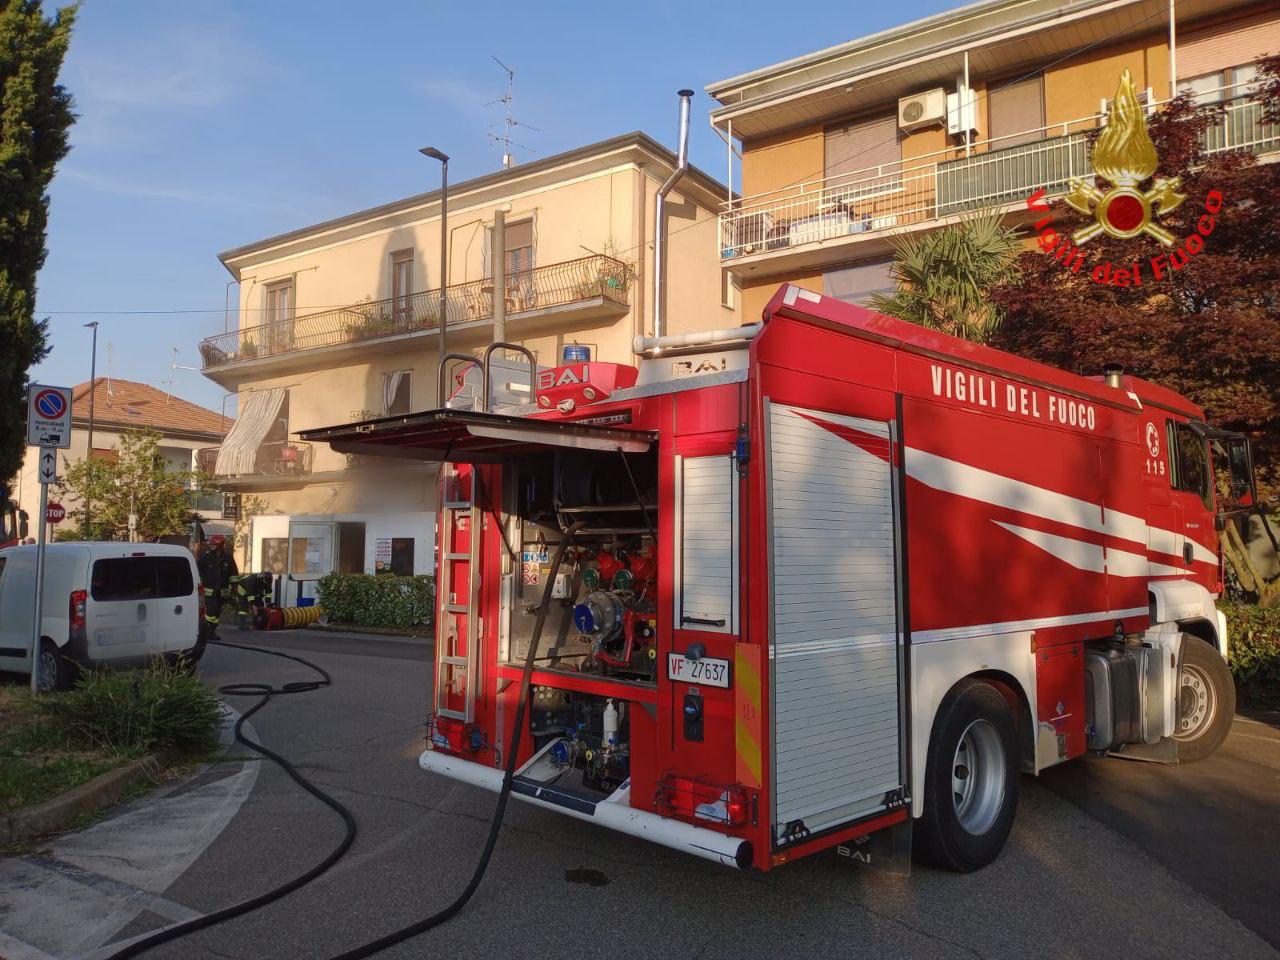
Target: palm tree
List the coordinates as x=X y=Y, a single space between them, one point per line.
x=945 y=277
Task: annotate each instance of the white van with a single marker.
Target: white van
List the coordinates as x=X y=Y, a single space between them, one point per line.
x=105 y=604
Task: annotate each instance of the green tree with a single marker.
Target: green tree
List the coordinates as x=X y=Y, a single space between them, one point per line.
x=136 y=481
x=35 y=115
x=945 y=277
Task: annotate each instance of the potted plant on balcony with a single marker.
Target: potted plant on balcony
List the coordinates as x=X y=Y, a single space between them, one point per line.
x=607 y=276
x=248 y=349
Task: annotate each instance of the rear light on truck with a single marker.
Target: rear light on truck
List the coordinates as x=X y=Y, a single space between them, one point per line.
x=75 y=608
x=693 y=798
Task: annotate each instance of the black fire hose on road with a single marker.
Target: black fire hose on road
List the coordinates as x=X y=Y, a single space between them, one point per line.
x=266 y=692
x=508 y=775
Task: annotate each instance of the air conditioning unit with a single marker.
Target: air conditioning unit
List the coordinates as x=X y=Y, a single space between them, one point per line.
x=1146 y=100
x=922 y=109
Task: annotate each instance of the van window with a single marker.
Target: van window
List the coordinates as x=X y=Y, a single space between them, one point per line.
x=173 y=577
x=124 y=578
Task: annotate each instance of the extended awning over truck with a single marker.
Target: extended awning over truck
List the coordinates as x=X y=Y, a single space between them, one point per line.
x=466 y=436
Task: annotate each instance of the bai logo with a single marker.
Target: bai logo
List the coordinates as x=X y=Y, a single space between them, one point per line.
x=561 y=376
x=1123 y=158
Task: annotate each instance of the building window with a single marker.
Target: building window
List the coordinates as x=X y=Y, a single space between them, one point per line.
x=397 y=392
x=859 y=282
x=1207 y=87
x=518 y=238
x=402 y=285
x=1016 y=112
x=278 y=312
x=730 y=286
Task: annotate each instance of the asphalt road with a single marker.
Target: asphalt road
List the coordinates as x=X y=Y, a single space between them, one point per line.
x=1078 y=879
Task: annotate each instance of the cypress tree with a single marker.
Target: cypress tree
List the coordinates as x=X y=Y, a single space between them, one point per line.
x=35 y=116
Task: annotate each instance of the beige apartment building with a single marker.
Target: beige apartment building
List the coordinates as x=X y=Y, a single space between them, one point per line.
x=339 y=322
x=975 y=108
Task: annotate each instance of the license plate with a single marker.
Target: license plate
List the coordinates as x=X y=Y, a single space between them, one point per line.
x=708 y=671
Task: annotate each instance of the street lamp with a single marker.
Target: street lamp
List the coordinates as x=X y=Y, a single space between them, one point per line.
x=93 y=386
x=435 y=154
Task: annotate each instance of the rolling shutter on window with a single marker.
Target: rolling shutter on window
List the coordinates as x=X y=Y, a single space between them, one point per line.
x=861 y=144
x=1228 y=44
x=1016 y=111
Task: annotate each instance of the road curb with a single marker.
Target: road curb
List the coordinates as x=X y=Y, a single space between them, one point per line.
x=424 y=633
x=63 y=810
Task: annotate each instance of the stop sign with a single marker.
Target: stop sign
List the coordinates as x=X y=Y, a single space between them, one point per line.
x=54 y=513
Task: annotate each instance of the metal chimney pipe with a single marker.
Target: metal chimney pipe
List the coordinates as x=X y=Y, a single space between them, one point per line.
x=1113 y=375
x=659 y=217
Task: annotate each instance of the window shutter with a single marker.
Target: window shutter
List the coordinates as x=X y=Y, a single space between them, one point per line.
x=1015 y=109
x=860 y=144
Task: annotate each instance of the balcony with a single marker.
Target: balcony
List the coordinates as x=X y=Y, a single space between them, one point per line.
x=275 y=461
x=856 y=214
x=570 y=293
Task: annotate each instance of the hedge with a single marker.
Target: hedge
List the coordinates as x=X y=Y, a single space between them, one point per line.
x=366 y=600
x=1253 y=634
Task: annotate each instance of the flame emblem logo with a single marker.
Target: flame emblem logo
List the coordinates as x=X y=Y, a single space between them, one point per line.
x=1125 y=156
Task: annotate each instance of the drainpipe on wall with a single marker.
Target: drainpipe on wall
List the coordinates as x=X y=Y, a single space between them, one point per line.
x=659 y=217
x=642 y=275
x=498 y=268
x=1173 y=51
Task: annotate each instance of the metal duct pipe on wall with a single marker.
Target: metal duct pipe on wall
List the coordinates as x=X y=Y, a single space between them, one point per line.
x=660 y=221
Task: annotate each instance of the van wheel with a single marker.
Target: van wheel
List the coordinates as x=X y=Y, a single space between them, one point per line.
x=1206 y=701
x=971 y=781
x=53 y=670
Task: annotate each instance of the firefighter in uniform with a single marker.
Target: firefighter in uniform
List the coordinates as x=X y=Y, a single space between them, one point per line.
x=242 y=589
x=262 y=600
x=217 y=568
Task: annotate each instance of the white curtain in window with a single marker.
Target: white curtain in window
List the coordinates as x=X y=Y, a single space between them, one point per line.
x=239 y=451
x=390 y=386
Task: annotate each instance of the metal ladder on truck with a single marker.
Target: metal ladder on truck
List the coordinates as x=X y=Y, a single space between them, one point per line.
x=458 y=653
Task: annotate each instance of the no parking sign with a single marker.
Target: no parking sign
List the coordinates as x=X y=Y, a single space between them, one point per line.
x=48 y=416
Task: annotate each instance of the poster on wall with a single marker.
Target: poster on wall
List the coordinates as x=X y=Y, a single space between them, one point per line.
x=316 y=562
x=382 y=554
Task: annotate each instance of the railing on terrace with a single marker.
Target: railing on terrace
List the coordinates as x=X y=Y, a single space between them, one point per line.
x=991 y=173
x=557 y=284
x=275 y=458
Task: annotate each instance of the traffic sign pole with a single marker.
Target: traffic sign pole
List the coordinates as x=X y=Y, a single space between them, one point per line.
x=36 y=631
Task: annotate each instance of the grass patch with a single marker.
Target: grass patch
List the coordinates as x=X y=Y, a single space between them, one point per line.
x=57 y=741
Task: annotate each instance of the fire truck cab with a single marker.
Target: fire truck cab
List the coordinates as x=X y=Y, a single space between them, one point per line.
x=824 y=577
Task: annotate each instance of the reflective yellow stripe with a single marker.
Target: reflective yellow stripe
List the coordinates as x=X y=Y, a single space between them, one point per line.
x=748 y=719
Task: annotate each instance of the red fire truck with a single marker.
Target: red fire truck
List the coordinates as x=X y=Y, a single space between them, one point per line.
x=819 y=578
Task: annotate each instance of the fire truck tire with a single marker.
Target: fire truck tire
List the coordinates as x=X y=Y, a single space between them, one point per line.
x=971 y=780
x=1206 y=701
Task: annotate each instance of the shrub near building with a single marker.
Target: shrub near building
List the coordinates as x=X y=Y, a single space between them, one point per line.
x=383 y=600
x=1254 y=633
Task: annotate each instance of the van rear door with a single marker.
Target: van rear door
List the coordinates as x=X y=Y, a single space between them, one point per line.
x=121 y=613
x=177 y=607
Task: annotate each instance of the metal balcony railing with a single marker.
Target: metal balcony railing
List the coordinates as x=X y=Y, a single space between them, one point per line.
x=989 y=174
x=557 y=284
x=275 y=458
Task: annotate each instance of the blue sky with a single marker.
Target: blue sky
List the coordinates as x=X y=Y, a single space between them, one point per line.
x=206 y=126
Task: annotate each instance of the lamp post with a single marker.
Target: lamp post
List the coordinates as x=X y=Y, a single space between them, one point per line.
x=93 y=386
x=435 y=154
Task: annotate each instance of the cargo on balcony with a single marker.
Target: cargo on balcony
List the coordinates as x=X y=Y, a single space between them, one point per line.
x=583 y=290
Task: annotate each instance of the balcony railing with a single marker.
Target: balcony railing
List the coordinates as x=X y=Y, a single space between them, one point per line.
x=990 y=174
x=275 y=458
x=555 y=285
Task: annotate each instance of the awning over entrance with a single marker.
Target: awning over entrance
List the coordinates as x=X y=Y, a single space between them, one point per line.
x=466 y=436
x=239 y=451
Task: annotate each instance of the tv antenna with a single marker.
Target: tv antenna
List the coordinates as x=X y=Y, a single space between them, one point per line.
x=506 y=101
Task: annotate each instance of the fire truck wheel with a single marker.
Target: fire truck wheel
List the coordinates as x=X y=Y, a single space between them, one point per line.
x=1206 y=701
x=971 y=781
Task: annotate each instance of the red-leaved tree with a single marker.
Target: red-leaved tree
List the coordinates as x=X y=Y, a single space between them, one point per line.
x=1210 y=330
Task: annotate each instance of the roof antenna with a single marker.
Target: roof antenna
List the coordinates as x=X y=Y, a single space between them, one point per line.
x=505 y=139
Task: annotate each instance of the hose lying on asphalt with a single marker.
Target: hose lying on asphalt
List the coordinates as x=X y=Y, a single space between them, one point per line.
x=266 y=692
x=508 y=774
